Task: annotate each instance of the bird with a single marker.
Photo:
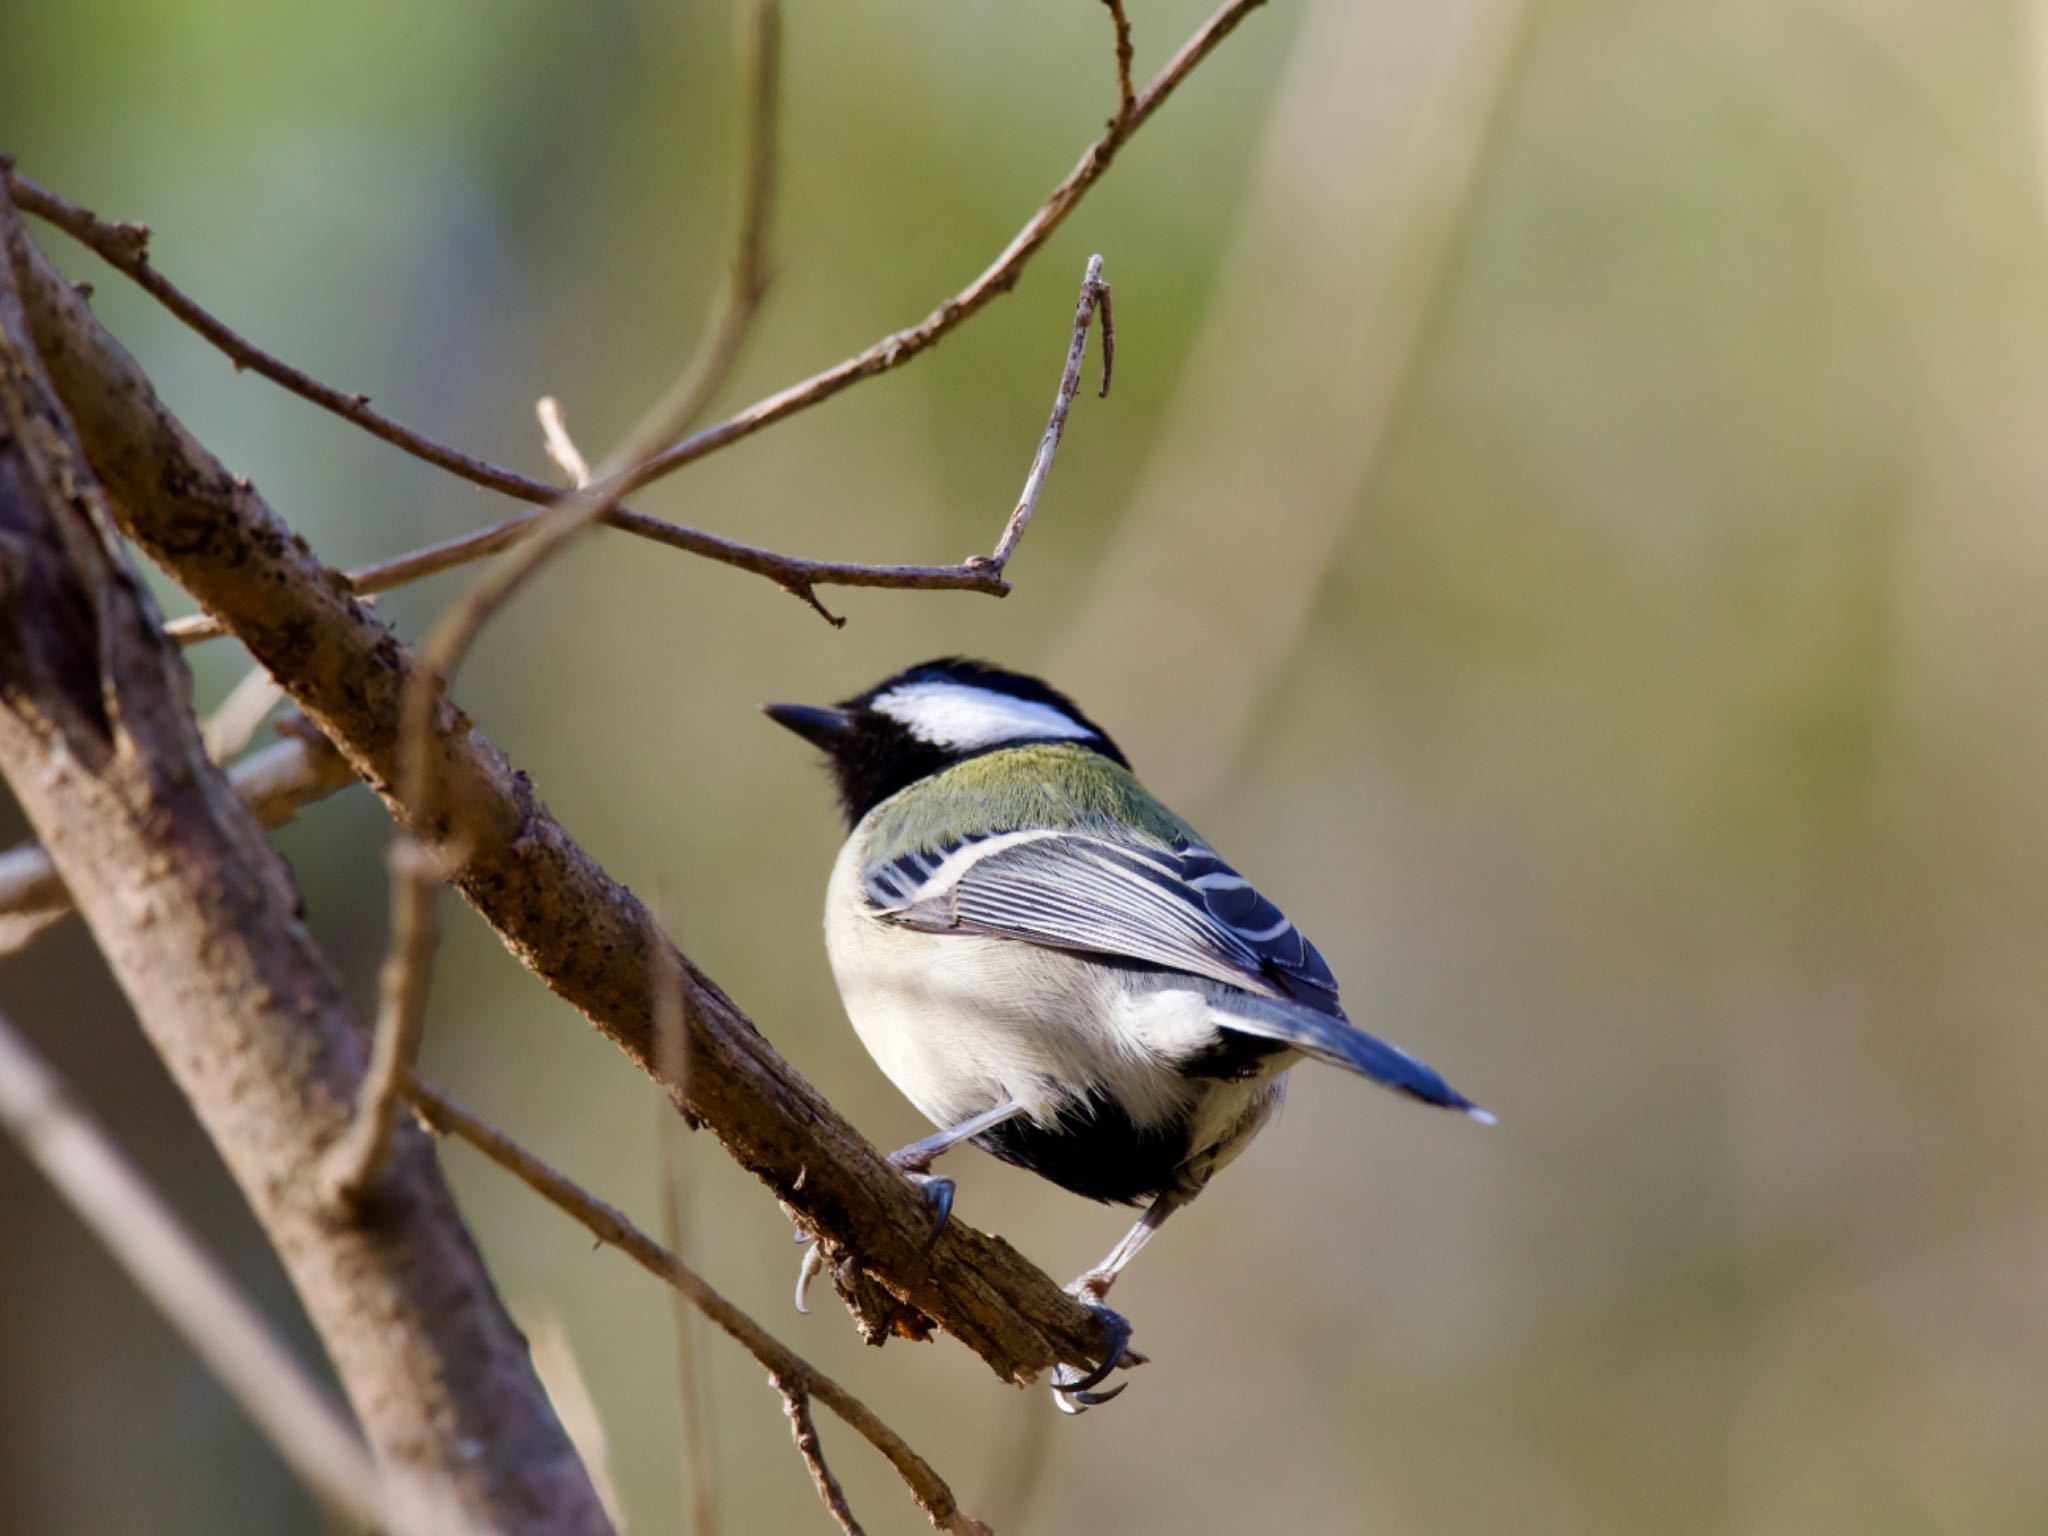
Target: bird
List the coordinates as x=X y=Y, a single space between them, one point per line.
x=1052 y=965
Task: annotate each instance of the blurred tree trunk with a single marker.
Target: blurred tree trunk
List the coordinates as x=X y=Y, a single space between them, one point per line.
x=198 y=920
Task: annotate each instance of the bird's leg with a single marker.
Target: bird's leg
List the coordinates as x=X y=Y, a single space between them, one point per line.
x=1071 y=1388
x=914 y=1162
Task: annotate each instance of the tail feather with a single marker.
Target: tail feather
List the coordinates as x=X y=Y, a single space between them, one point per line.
x=1333 y=1040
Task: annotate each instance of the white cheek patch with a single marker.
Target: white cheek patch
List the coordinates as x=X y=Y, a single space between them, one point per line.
x=961 y=718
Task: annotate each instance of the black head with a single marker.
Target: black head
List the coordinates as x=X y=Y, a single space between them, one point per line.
x=930 y=717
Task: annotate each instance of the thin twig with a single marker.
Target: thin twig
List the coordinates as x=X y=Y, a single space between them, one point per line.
x=796 y=1404
x=125 y=247
x=561 y=446
x=1094 y=295
x=234 y=724
x=358 y=1157
x=999 y=277
x=611 y=1226
x=1126 y=100
x=161 y=1257
x=415 y=881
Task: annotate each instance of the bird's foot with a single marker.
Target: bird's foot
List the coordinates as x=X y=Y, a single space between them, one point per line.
x=938 y=1195
x=1073 y=1388
x=937 y=1191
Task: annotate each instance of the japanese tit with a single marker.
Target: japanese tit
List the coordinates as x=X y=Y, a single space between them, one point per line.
x=1051 y=964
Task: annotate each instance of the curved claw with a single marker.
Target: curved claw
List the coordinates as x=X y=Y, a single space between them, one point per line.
x=1071 y=1388
x=807 y=1271
x=938 y=1194
x=1081 y=1402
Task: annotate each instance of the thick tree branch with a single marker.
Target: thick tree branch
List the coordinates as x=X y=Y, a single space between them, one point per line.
x=125 y=246
x=164 y=1261
x=196 y=918
x=575 y=927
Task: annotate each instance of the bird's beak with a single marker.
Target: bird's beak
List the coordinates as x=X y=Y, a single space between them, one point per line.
x=824 y=728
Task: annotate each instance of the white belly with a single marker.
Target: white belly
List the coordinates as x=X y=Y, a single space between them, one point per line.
x=960 y=1023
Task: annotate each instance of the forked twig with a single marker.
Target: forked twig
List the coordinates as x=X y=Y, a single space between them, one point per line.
x=125 y=247
x=611 y=1226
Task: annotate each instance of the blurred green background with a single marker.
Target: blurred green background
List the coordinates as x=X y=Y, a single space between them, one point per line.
x=1569 y=523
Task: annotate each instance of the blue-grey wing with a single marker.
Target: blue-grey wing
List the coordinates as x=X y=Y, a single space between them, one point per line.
x=1177 y=906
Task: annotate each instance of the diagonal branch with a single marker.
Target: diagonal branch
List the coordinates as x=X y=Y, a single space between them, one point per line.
x=125 y=247
x=415 y=879
x=998 y=278
x=611 y=1226
x=551 y=904
x=197 y=919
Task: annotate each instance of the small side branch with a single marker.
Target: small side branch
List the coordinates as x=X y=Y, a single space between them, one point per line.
x=611 y=1226
x=1126 y=97
x=125 y=247
x=1094 y=296
x=796 y=1403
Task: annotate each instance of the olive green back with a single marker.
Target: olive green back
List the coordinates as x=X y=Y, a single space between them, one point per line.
x=1040 y=785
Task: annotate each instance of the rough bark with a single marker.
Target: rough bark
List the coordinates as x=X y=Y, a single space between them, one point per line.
x=552 y=905
x=197 y=918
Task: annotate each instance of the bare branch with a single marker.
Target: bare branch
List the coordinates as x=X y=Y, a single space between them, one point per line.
x=796 y=1403
x=415 y=880
x=794 y=575
x=197 y=919
x=1094 y=294
x=1126 y=100
x=160 y=1256
x=611 y=1226
x=551 y=904
x=998 y=278
x=125 y=246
